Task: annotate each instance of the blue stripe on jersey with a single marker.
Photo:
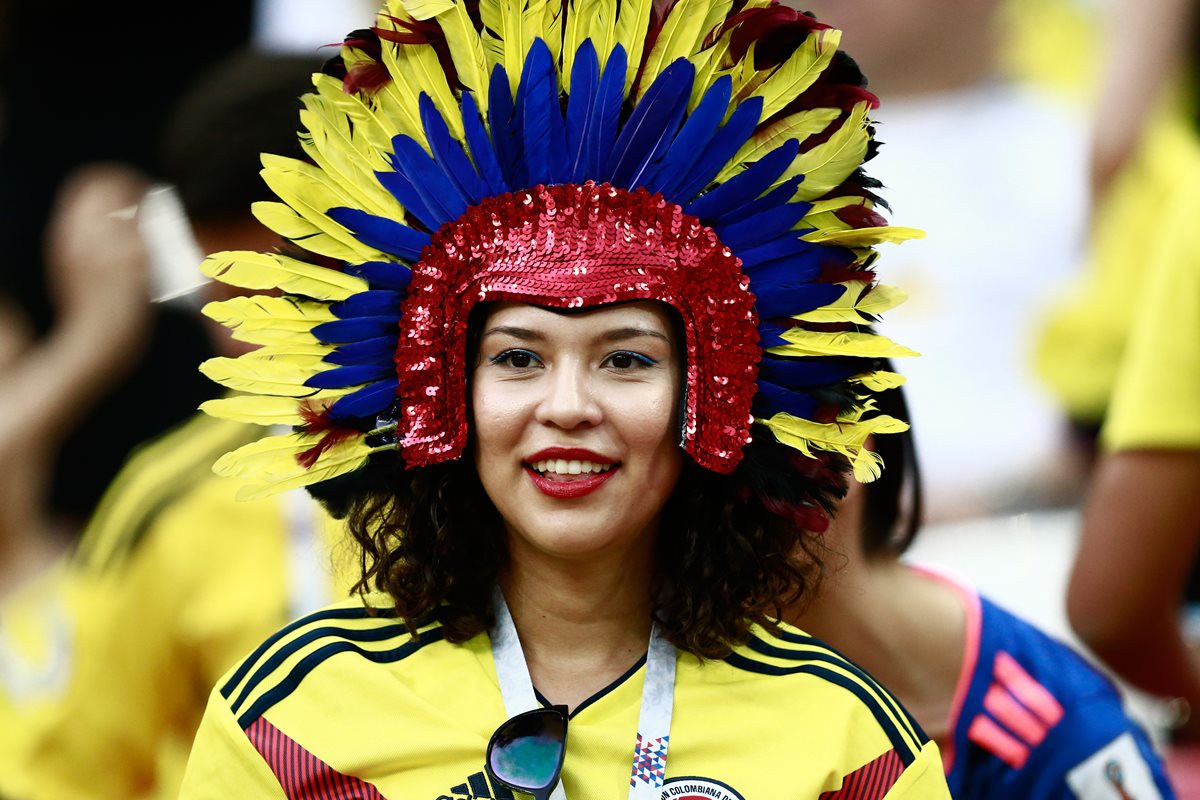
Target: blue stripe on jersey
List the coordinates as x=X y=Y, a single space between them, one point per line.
x=830 y=656
x=899 y=741
x=310 y=662
x=316 y=616
x=308 y=637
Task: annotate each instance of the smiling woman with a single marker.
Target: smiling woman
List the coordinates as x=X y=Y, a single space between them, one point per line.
x=593 y=366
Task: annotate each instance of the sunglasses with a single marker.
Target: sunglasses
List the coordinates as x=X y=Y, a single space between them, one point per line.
x=526 y=753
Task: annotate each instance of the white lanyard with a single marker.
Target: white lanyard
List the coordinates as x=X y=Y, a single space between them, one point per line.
x=654 y=720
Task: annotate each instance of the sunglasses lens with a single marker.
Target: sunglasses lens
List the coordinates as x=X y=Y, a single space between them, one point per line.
x=527 y=751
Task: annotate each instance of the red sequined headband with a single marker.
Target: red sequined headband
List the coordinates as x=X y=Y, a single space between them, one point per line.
x=578 y=246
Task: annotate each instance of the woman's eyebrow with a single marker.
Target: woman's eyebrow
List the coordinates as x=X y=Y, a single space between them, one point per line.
x=524 y=334
x=620 y=334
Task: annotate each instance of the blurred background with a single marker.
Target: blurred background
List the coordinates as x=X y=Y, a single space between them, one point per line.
x=1043 y=145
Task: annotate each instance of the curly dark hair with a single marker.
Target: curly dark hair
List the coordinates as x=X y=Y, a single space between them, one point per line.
x=727 y=549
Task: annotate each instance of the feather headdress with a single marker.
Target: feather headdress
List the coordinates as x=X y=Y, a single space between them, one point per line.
x=706 y=153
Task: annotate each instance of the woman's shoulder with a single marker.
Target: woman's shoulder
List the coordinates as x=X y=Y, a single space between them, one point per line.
x=351 y=643
x=804 y=675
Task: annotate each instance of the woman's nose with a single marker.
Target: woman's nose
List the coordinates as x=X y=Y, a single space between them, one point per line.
x=568 y=399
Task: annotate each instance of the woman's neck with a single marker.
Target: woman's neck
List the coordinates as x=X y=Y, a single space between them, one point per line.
x=582 y=624
x=903 y=627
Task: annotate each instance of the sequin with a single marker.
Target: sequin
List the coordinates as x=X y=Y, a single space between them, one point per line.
x=577 y=246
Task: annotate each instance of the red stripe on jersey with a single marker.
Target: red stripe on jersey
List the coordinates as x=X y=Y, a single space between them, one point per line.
x=871 y=781
x=1033 y=695
x=997 y=741
x=1014 y=716
x=302 y=775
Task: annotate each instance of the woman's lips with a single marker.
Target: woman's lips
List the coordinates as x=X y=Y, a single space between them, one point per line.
x=566 y=487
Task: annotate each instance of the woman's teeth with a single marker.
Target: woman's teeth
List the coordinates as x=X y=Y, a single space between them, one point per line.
x=561 y=467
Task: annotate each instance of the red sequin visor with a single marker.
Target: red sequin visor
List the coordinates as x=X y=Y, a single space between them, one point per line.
x=578 y=246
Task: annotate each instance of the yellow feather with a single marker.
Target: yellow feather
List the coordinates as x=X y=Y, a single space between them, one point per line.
x=466 y=50
x=269 y=336
x=266 y=410
x=843 y=343
x=279 y=377
x=799 y=72
x=330 y=141
x=364 y=119
x=849 y=439
x=718 y=11
x=798 y=126
x=828 y=164
x=252 y=270
x=680 y=37
x=255 y=409
x=515 y=24
x=552 y=34
x=395 y=104
x=280 y=476
x=630 y=32
x=600 y=21
x=264 y=312
x=269 y=453
x=854 y=306
x=865 y=237
x=311 y=193
x=290 y=225
x=880 y=380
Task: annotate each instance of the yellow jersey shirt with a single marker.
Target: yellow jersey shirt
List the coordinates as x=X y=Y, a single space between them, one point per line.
x=1154 y=397
x=346 y=703
x=174 y=581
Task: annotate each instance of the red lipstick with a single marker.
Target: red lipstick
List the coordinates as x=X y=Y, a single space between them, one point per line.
x=567 y=490
x=576 y=485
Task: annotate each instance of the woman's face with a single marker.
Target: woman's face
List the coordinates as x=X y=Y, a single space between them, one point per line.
x=576 y=423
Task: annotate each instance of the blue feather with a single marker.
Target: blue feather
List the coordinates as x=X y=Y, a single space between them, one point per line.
x=701 y=126
x=449 y=154
x=783 y=273
x=606 y=117
x=371 y=303
x=349 y=376
x=341 y=331
x=436 y=189
x=724 y=146
x=770 y=400
x=408 y=196
x=789 y=249
x=501 y=121
x=581 y=108
x=382 y=274
x=481 y=147
x=796 y=374
x=365 y=403
x=652 y=126
x=380 y=350
x=776 y=197
x=770 y=334
x=381 y=233
x=745 y=188
x=539 y=111
x=788 y=299
x=773 y=224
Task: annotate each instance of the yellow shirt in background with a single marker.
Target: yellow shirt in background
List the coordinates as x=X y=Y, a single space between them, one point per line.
x=172 y=583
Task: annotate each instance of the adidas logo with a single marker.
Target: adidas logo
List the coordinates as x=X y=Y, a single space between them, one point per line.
x=478 y=787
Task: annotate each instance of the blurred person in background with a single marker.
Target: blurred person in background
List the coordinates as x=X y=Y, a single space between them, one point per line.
x=45 y=136
x=1144 y=134
x=184 y=578
x=1017 y=715
x=1133 y=588
x=996 y=170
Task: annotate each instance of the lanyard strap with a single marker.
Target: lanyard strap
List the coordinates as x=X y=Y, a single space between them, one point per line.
x=654 y=719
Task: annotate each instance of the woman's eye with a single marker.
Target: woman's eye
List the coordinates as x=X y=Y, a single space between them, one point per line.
x=627 y=360
x=518 y=359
